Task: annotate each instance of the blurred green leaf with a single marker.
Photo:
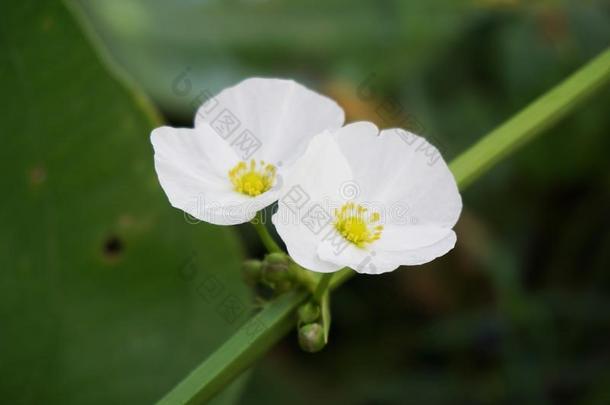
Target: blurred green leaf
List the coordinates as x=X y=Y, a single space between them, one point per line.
x=107 y=294
x=217 y=43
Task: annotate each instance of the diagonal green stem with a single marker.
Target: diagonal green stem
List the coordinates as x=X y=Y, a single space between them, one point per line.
x=531 y=121
x=263 y=233
x=248 y=344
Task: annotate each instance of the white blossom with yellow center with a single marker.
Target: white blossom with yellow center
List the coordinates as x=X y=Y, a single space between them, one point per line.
x=403 y=212
x=213 y=174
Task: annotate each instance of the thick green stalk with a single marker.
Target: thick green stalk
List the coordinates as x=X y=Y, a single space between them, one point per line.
x=249 y=343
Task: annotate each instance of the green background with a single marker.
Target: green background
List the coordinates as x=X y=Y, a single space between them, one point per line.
x=109 y=295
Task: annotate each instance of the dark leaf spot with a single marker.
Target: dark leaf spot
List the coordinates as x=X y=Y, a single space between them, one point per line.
x=112 y=248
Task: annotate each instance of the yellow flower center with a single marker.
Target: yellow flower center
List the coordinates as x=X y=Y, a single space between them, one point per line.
x=357 y=225
x=252 y=179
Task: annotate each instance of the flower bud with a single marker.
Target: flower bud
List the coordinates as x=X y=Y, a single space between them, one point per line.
x=308 y=313
x=277 y=258
x=311 y=337
x=283 y=286
x=252 y=271
x=276 y=268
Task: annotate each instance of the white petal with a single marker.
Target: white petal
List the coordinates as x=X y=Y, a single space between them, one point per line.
x=199 y=152
x=192 y=166
x=233 y=208
x=359 y=142
x=413 y=257
x=400 y=170
x=278 y=117
x=337 y=250
x=310 y=193
x=372 y=260
x=409 y=237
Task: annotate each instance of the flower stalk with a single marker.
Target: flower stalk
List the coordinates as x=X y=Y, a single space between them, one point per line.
x=263 y=233
x=322 y=287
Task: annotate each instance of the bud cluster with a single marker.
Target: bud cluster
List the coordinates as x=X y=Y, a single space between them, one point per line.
x=274 y=272
x=311 y=331
x=277 y=272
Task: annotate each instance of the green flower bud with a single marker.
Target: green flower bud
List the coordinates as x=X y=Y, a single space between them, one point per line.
x=277 y=258
x=276 y=268
x=308 y=313
x=311 y=337
x=282 y=286
x=252 y=271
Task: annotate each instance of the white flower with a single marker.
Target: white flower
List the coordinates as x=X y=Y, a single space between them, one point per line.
x=368 y=201
x=245 y=140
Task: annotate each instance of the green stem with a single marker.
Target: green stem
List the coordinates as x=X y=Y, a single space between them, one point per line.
x=322 y=287
x=263 y=233
x=532 y=120
x=325 y=318
x=306 y=278
x=243 y=348
x=250 y=342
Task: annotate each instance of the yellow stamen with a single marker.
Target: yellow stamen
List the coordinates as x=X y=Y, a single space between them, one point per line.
x=252 y=179
x=355 y=225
